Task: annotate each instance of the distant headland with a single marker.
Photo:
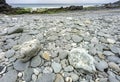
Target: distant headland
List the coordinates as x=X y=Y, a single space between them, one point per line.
x=8 y=9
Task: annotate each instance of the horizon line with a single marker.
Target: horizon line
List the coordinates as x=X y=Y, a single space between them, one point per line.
x=50 y=3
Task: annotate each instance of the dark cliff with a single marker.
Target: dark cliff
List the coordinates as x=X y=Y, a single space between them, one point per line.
x=4 y=7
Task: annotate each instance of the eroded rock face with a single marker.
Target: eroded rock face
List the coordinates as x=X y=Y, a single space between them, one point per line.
x=29 y=49
x=79 y=58
x=4 y=6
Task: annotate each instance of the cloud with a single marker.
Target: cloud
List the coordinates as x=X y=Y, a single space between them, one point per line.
x=60 y=1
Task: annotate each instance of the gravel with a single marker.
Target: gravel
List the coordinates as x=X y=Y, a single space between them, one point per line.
x=64 y=47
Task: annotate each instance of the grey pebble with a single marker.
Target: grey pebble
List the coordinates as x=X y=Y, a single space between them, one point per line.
x=114 y=59
x=28 y=74
x=114 y=66
x=76 y=38
x=10 y=53
x=20 y=66
x=47 y=70
x=112 y=77
x=2 y=69
x=56 y=67
x=59 y=78
x=10 y=76
x=36 y=61
x=63 y=54
x=101 y=65
x=46 y=78
x=15 y=30
x=115 y=49
x=103 y=80
x=74 y=77
x=68 y=68
x=108 y=53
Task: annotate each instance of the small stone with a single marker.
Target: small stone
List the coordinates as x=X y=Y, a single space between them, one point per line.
x=103 y=34
x=84 y=80
x=15 y=30
x=28 y=74
x=50 y=77
x=24 y=38
x=67 y=37
x=103 y=80
x=36 y=71
x=51 y=46
x=52 y=38
x=76 y=38
x=36 y=61
x=68 y=68
x=20 y=66
x=79 y=58
x=47 y=63
x=34 y=78
x=20 y=74
x=108 y=53
x=74 y=77
x=68 y=79
x=46 y=56
x=114 y=49
x=54 y=53
x=87 y=21
x=94 y=40
x=56 y=67
x=10 y=53
x=118 y=77
x=101 y=56
x=69 y=18
x=74 y=44
x=10 y=76
x=23 y=81
x=29 y=49
x=101 y=65
x=114 y=59
x=2 y=69
x=12 y=59
x=59 y=78
x=111 y=41
x=35 y=32
x=2 y=55
x=48 y=70
x=40 y=36
x=114 y=66
x=112 y=77
x=63 y=54
x=64 y=63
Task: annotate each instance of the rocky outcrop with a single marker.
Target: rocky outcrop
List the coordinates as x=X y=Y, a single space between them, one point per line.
x=112 y=5
x=4 y=7
x=117 y=3
x=75 y=8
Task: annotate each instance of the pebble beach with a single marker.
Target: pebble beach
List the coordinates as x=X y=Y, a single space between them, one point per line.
x=63 y=47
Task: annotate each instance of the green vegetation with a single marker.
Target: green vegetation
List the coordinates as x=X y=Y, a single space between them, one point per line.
x=38 y=11
x=49 y=11
x=91 y=8
x=22 y=11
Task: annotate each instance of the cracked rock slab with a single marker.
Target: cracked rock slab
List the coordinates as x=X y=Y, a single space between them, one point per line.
x=29 y=49
x=79 y=58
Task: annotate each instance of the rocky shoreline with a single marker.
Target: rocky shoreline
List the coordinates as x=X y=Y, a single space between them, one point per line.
x=65 y=47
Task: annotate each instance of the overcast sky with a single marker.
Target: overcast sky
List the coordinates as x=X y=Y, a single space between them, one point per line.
x=60 y=1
